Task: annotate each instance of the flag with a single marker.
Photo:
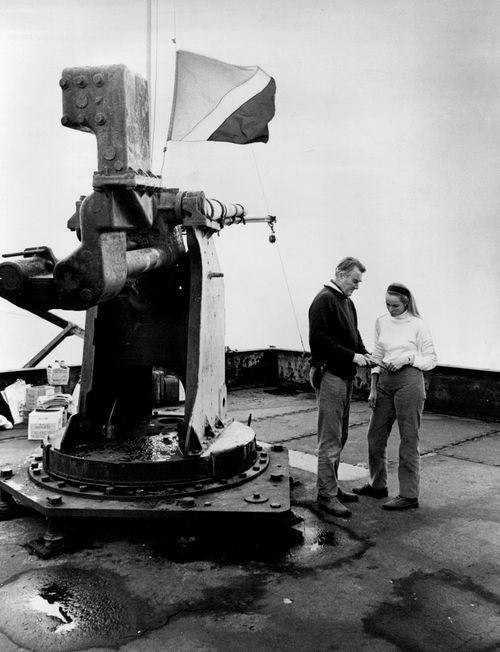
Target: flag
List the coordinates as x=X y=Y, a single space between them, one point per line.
x=214 y=100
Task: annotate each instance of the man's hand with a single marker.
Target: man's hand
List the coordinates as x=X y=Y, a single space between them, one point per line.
x=372 y=398
x=360 y=360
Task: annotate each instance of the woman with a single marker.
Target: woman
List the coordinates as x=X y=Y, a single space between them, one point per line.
x=403 y=350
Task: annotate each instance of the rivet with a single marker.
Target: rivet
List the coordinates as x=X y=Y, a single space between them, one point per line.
x=64 y=83
x=81 y=81
x=100 y=118
x=81 y=100
x=65 y=120
x=86 y=294
x=80 y=118
x=98 y=79
x=118 y=165
x=109 y=153
x=86 y=254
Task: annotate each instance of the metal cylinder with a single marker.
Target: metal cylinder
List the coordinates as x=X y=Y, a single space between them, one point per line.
x=13 y=275
x=140 y=261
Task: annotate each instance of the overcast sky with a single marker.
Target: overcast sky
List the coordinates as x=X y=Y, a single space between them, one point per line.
x=385 y=146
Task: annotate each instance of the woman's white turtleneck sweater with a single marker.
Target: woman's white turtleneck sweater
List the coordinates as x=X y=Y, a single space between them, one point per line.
x=401 y=337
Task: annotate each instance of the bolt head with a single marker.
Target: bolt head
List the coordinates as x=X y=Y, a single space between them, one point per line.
x=81 y=100
x=54 y=500
x=86 y=294
x=81 y=81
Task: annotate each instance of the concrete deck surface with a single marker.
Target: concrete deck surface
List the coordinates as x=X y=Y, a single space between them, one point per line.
x=422 y=580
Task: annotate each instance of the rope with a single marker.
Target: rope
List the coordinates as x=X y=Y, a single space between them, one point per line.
x=155 y=79
x=279 y=253
x=174 y=42
x=174 y=38
x=291 y=299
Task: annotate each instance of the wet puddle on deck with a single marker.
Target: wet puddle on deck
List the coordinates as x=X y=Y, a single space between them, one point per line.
x=312 y=543
x=438 y=612
x=65 y=608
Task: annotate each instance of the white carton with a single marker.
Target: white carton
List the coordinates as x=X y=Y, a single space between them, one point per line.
x=58 y=375
x=45 y=422
x=33 y=393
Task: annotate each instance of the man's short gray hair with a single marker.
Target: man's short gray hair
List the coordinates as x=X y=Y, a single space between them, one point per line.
x=346 y=265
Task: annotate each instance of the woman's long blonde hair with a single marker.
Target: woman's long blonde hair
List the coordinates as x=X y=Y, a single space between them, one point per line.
x=406 y=297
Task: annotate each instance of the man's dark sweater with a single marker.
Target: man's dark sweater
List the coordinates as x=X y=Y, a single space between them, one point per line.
x=333 y=332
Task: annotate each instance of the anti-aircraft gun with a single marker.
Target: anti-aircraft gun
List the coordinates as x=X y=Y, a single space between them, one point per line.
x=147 y=275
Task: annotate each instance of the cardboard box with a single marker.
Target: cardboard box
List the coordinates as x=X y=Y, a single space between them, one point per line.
x=45 y=422
x=57 y=375
x=33 y=393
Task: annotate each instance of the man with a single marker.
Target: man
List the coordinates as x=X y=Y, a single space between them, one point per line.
x=336 y=349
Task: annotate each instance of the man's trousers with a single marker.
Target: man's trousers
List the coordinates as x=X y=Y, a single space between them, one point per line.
x=334 y=401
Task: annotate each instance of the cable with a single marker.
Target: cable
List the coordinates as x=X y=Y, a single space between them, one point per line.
x=291 y=299
x=279 y=253
x=174 y=42
x=155 y=78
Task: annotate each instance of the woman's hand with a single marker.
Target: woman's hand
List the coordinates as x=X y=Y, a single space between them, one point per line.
x=372 y=398
x=400 y=362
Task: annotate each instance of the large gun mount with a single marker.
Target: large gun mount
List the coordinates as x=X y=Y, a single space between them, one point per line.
x=147 y=274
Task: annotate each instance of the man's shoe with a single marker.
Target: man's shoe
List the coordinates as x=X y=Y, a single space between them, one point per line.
x=401 y=503
x=346 y=496
x=333 y=506
x=368 y=490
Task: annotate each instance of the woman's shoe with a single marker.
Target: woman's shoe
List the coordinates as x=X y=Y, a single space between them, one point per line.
x=368 y=490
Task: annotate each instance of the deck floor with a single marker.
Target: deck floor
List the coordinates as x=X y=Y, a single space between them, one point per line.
x=422 y=580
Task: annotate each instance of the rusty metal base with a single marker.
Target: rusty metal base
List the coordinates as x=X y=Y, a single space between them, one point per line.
x=263 y=497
